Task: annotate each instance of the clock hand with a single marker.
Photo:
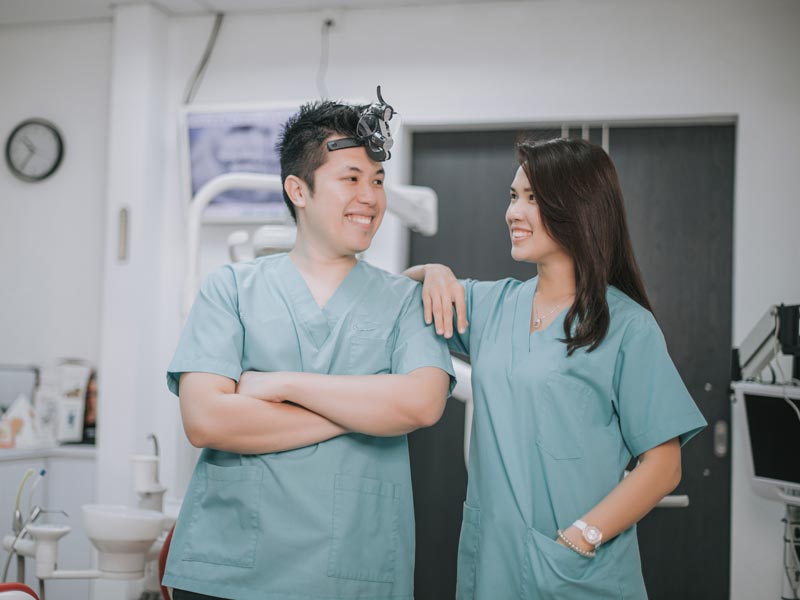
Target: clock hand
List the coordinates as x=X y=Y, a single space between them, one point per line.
x=28 y=144
x=27 y=159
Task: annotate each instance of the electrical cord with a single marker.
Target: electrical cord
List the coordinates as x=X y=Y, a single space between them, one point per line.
x=324 y=52
x=197 y=77
x=784 y=382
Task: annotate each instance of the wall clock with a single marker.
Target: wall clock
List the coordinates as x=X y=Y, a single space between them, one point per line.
x=34 y=150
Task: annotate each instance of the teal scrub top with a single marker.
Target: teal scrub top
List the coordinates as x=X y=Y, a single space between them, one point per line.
x=331 y=520
x=551 y=437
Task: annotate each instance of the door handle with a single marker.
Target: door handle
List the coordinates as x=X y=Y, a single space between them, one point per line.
x=674 y=501
x=721 y=439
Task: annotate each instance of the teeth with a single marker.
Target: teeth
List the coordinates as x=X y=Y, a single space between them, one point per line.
x=520 y=234
x=364 y=220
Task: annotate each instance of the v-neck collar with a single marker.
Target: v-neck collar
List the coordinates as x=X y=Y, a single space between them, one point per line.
x=318 y=321
x=523 y=338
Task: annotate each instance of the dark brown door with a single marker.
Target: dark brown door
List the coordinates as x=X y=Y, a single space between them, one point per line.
x=678 y=186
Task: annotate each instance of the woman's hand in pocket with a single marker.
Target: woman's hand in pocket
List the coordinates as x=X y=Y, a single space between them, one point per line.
x=574 y=535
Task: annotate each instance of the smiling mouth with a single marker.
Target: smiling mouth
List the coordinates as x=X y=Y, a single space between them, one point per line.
x=520 y=234
x=360 y=219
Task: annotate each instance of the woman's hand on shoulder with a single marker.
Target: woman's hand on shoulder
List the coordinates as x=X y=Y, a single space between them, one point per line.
x=441 y=291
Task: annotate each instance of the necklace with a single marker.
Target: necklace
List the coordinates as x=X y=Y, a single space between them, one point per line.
x=537 y=318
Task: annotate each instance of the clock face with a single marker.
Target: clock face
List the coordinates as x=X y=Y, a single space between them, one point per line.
x=34 y=150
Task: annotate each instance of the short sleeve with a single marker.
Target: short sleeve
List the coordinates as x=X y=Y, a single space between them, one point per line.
x=416 y=344
x=212 y=340
x=474 y=293
x=652 y=402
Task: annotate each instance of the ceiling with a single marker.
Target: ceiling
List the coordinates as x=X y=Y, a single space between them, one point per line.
x=14 y=12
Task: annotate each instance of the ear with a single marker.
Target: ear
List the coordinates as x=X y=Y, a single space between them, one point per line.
x=297 y=190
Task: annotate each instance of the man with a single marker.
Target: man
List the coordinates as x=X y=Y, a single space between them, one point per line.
x=300 y=374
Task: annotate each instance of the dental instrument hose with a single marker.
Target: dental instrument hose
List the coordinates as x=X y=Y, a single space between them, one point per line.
x=35 y=484
x=31 y=518
x=10 y=554
x=17 y=513
x=19 y=527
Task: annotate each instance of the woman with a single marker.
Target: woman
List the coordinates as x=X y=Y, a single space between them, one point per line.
x=571 y=378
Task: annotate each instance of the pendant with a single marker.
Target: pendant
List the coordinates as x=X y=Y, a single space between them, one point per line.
x=537 y=322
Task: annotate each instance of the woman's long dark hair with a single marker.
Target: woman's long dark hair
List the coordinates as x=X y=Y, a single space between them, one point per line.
x=579 y=196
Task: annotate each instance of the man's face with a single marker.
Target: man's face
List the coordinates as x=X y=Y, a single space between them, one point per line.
x=348 y=202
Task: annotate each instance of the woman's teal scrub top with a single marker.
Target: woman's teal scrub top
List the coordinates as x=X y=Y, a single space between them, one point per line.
x=551 y=437
x=332 y=520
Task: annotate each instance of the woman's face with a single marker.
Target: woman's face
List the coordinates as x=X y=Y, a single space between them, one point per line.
x=530 y=241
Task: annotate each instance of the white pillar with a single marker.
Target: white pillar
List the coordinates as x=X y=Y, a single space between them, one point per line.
x=131 y=290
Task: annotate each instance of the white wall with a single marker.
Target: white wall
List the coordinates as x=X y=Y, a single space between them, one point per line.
x=51 y=233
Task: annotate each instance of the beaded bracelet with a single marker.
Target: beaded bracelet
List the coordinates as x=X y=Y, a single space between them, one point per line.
x=571 y=545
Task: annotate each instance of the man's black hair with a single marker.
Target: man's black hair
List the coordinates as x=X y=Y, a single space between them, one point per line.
x=301 y=145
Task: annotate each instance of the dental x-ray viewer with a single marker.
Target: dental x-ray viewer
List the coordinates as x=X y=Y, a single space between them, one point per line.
x=299 y=375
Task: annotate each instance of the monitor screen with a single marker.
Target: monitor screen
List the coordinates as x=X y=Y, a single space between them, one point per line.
x=237 y=140
x=16 y=380
x=774 y=437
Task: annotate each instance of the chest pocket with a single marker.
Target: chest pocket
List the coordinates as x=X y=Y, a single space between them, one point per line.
x=560 y=415
x=270 y=343
x=368 y=351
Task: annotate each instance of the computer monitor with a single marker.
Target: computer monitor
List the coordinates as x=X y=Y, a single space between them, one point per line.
x=16 y=380
x=771 y=431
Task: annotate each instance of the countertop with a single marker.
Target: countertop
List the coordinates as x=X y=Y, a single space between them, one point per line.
x=65 y=451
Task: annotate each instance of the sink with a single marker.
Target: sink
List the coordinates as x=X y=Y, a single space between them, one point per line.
x=121 y=535
x=48 y=532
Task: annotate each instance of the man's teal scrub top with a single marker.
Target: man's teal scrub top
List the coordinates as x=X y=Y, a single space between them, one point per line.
x=551 y=437
x=332 y=520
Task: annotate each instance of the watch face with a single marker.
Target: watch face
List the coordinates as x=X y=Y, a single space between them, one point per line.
x=34 y=150
x=592 y=535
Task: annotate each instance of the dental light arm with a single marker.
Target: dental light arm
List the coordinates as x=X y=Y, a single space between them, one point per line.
x=201 y=200
x=416 y=207
x=463 y=392
x=778 y=331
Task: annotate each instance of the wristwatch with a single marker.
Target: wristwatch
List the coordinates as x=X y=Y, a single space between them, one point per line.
x=590 y=533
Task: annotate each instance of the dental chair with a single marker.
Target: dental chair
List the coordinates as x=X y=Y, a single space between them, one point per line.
x=16 y=591
x=162 y=565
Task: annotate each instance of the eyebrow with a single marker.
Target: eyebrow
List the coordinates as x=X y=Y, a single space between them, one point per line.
x=527 y=189
x=380 y=171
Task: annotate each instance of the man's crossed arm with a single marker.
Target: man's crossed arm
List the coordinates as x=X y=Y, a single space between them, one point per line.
x=254 y=417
